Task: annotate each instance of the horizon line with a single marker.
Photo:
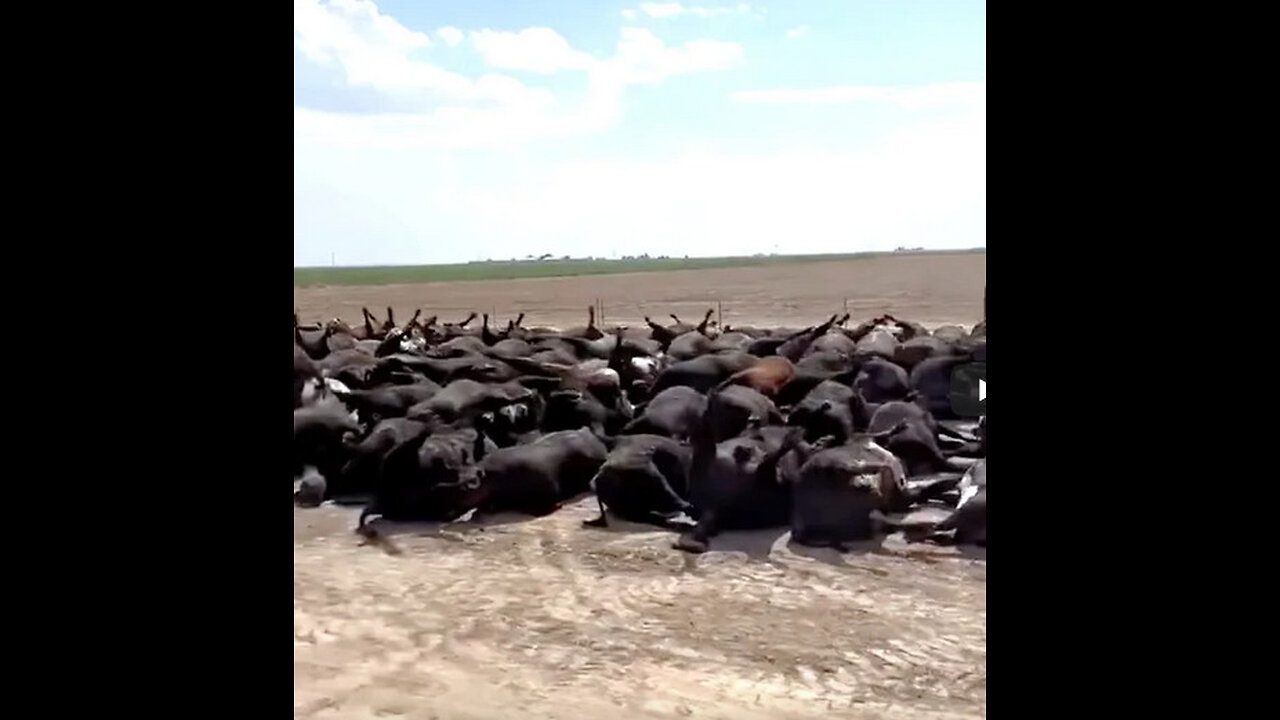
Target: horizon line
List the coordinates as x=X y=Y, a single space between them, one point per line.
x=632 y=258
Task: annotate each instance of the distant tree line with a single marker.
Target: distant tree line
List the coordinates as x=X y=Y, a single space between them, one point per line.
x=565 y=258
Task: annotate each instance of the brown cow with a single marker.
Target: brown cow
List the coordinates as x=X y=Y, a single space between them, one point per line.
x=766 y=377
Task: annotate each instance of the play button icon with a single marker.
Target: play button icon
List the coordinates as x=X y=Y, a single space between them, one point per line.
x=969 y=389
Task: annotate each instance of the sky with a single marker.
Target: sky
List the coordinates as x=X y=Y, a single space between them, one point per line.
x=441 y=132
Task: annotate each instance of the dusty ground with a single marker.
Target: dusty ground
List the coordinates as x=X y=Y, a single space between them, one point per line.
x=542 y=618
x=931 y=289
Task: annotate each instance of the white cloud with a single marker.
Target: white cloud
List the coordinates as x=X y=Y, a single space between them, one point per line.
x=539 y=50
x=321 y=32
x=643 y=58
x=921 y=185
x=451 y=36
x=373 y=50
x=911 y=97
x=797 y=32
x=662 y=10
x=407 y=196
x=673 y=9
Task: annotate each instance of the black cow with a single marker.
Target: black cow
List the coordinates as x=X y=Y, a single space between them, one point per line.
x=703 y=373
x=932 y=379
x=832 y=342
x=573 y=409
x=318 y=434
x=880 y=380
x=538 y=477
x=312 y=488
x=968 y=522
x=304 y=371
x=672 y=413
x=880 y=343
x=437 y=479
x=830 y=408
x=690 y=345
x=734 y=409
x=364 y=469
x=795 y=346
x=839 y=488
x=464 y=399
x=734 y=484
x=645 y=480
x=388 y=401
x=918 y=349
x=915 y=441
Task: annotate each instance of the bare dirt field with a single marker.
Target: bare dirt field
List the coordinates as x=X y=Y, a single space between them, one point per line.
x=931 y=289
x=541 y=618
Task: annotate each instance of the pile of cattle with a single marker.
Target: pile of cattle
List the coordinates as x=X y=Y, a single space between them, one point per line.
x=840 y=434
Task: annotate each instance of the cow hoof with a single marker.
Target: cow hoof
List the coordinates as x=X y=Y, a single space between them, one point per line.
x=600 y=522
x=690 y=544
x=679 y=522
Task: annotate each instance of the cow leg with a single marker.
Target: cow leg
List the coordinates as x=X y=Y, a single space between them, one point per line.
x=370 y=509
x=671 y=497
x=968 y=450
x=673 y=521
x=953 y=434
x=365 y=527
x=935 y=488
x=600 y=522
x=800 y=535
x=698 y=540
x=940 y=537
x=914 y=531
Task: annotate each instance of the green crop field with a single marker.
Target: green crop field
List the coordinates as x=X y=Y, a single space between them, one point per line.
x=510 y=270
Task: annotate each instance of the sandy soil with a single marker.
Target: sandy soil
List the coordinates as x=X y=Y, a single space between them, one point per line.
x=542 y=618
x=931 y=289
